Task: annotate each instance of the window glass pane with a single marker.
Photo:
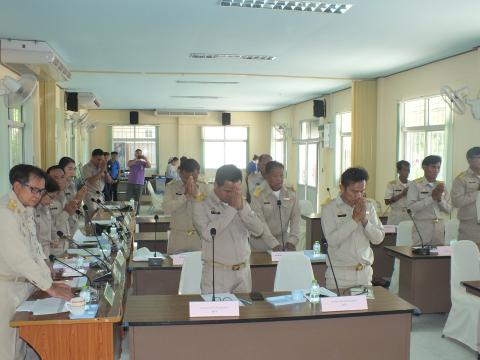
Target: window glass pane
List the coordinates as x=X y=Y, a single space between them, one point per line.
x=214 y=154
x=346 y=152
x=302 y=166
x=437 y=111
x=145 y=132
x=277 y=135
x=312 y=165
x=415 y=152
x=236 y=133
x=15 y=114
x=123 y=132
x=279 y=148
x=148 y=149
x=16 y=146
x=314 y=133
x=126 y=139
x=305 y=130
x=346 y=119
x=236 y=153
x=213 y=132
x=414 y=113
x=436 y=146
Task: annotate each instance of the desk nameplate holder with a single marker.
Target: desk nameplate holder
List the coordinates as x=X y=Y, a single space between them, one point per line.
x=109 y=294
x=344 y=303
x=277 y=255
x=214 y=308
x=117 y=274
x=120 y=258
x=177 y=259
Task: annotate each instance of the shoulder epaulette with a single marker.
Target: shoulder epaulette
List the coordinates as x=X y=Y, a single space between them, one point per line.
x=291 y=188
x=418 y=181
x=392 y=182
x=258 y=191
x=327 y=201
x=12 y=205
x=461 y=175
x=200 y=197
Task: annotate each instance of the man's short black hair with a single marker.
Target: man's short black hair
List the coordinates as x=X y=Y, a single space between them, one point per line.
x=263 y=156
x=64 y=161
x=227 y=173
x=51 y=185
x=189 y=165
x=353 y=175
x=272 y=165
x=255 y=157
x=54 y=167
x=474 y=151
x=106 y=154
x=22 y=173
x=97 y=152
x=114 y=153
x=402 y=163
x=432 y=160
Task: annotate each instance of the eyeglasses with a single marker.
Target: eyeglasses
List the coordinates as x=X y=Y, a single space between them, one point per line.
x=34 y=190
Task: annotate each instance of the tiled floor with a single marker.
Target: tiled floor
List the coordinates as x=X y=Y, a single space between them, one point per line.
x=426 y=341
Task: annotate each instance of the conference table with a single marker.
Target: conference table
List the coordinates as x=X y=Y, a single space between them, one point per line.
x=164 y=279
x=424 y=279
x=472 y=287
x=147 y=223
x=160 y=327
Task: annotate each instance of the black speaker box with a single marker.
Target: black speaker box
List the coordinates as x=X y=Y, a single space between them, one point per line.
x=225 y=118
x=72 y=101
x=133 y=117
x=319 y=108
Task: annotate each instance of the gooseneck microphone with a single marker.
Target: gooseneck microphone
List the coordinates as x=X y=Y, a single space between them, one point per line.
x=85 y=209
x=155 y=261
x=53 y=258
x=213 y=232
x=325 y=243
x=423 y=250
x=279 y=204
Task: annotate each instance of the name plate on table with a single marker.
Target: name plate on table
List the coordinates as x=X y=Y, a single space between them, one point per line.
x=117 y=274
x=120 y=259
x=214 y=308
x=442 y=250
x=126 y=249
x=344 y=303
x=276 y=255
x=177 y=259
x=109 y=294
x=390 y=229
x=127 y=219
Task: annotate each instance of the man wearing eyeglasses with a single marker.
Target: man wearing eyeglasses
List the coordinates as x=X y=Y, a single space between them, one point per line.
x=466 y=197
x=22 y=261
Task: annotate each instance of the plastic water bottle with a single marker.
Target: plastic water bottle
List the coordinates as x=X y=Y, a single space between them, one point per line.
x=316 y=248
x=315 y=292
x=79 y=262
x=132 y=204
x=86 y=294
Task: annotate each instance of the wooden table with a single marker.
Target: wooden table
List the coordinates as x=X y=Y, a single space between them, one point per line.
x=160 y=326
x=147 y=239
x=473 y=287
x=147 y=223
x=424 y=280
x=164 y=279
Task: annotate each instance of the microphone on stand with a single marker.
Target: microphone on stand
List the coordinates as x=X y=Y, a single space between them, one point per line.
x=325 y=243
x=85 y=209
x=155 y=261
x=279 y=204
x=213 y=232
x=423 y=250
x=53 y=258
x=103 y=207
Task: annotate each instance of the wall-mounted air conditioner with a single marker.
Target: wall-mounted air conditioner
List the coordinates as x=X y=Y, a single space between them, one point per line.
x=87 y=100
x=33 y=57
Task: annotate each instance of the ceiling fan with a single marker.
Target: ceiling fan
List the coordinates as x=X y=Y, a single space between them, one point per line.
x=457 y=100
x=17 y=92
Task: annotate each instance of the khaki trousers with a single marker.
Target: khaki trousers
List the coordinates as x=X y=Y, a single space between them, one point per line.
x=433 y=233
x=348 y=278
x=469 y=230
x=179 y=241
x=226 y=281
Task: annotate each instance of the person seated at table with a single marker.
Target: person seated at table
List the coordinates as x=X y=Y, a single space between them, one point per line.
x=396 y=195
x=43 y=218
x=225 y=213
x=178 y=201
x=61 y=211
x=278 y=207
x=428 y=199
x=22 y=262
x=350 y=223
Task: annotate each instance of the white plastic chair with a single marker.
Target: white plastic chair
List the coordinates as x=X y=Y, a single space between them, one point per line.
x=464 y=318
x=294 y=271
x=191 y=274
x=306 y=208
x=451 y=230
x=404 y=238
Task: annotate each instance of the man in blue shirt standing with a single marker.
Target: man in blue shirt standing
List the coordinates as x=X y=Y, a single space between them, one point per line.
x=113 y=168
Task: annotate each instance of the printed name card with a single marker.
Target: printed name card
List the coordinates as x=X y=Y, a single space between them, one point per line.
x=214 y=308
x=109 y=294
x=117 y=274
x=390 y=229
x=344 y=303
x=120 y=259
x=277 y=255
x=126 y=249
x=178 y=259
x=444 y=250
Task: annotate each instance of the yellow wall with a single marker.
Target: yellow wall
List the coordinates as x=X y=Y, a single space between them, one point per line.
x=181 y=136
x=458 y=71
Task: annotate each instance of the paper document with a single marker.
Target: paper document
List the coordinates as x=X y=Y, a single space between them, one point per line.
x=143 y=254
x=82 y=239
x=26 y=306
x=284 y=300
x=221 y=297
x=82 y=252
x=102 y=222
x=77 y=282
x=48 y=306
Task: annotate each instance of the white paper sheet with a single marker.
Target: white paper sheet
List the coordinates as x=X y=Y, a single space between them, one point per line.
x=26 y=306
x=143 y=254
x=48 y=306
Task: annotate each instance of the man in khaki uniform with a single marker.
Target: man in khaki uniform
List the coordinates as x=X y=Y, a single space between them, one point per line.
x=178 y=202
x=69 y=167
x=22 y=261
x=396 y=195
x=61 y=212
x=225 y=211
x=43 y=218
x=95 y=174
x=350 y=224
x=428 y=199
x=273 y=201
x=256 y=179
x=466 y=197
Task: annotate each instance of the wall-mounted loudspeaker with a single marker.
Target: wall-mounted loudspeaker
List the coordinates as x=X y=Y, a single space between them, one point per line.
x=133 y=117
x=225 y=119
x=319 y=108
x=72 y=101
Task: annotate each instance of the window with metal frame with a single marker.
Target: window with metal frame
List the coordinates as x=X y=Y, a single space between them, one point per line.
x=127 y=138
x=224 y=145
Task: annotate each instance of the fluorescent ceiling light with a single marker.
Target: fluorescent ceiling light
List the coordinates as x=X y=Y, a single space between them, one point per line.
x=231 y=56
x=207 y=82
x=309 y=6
x=194 y=97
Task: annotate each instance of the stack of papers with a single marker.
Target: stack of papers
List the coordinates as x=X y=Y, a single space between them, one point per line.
x=143 y=254
x=82 y=252
x=82 y=239
x=43 y=306
x=71 y=262
x=102 y=222
x=71 y=273
x=284 y=300
x=90 y=312
x=313 y=258
x=78 y=282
